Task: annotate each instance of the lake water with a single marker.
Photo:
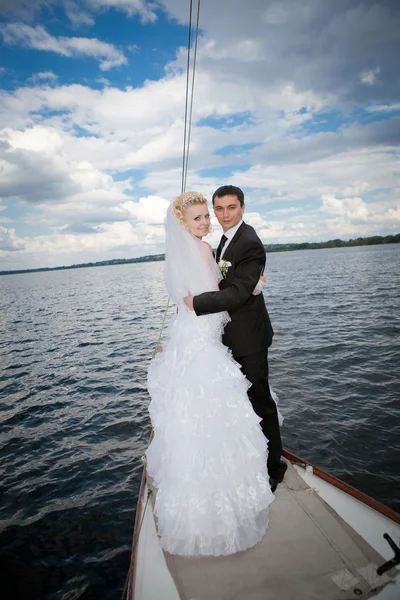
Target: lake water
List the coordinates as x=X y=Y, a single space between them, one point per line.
x=74 y=350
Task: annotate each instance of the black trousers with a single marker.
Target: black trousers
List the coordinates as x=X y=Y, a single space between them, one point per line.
x=255 y=367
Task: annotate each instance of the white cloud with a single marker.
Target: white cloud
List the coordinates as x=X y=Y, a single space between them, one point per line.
x=138 y=127
x=131 y=129
x=143 y=8
x=318 y=46
x=79 y=13
x=22 y=9
x=105 y=112
x=38 y=38
x=105 y=241
x=384 y=107
x=369 y=77
x=34 y=177
x=76 y=15
x=104 y=81
x=277 y=13
x=106 y=237
x=151 y=210
x=352 y=209
x=346 y=172
x=43 y=75
x=9 y=241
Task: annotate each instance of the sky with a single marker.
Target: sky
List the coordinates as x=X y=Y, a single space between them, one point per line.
x=296 y=101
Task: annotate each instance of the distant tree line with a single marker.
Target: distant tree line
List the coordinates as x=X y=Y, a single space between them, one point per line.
x=362 y=241
x=114 y=261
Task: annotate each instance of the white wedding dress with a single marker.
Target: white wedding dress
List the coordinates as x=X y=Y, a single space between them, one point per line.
x=208 y=456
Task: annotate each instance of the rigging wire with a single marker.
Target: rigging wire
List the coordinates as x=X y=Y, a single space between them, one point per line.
x=186 y=95
x=189 y=127
x=189 y=98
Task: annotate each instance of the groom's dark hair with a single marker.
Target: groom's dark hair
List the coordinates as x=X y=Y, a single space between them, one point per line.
x=229 y=190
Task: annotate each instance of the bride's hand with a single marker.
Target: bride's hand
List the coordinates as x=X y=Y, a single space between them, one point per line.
x=188 y=300
x=261 y=282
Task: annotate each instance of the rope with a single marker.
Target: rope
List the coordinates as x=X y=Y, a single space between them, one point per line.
x=163 y=323
x=158 y=347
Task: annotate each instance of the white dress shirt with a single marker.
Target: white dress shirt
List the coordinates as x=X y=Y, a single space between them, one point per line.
x=229 y=234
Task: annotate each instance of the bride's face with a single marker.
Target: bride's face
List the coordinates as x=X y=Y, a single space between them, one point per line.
x=197 y=219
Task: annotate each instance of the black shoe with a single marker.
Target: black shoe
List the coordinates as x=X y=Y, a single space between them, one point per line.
x=282 y=470
x=278 y=476
x=273 y=484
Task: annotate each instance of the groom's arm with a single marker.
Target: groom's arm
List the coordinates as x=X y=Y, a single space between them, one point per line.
x=245 y=279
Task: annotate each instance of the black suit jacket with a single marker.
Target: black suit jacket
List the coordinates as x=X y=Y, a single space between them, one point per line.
x=250 y=329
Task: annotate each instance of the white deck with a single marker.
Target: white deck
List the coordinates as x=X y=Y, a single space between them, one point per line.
x=155 y=582
x=368 y=523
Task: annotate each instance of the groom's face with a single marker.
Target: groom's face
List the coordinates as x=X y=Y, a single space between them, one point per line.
x=228 y=211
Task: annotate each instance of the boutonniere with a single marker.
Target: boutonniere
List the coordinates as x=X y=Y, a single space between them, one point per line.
x=224 y=266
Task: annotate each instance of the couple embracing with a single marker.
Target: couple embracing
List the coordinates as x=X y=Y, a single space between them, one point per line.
x=215 y=455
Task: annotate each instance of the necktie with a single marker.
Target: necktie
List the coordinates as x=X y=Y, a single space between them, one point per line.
x=219 y=249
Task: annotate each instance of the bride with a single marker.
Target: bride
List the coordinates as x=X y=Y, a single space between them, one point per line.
x=208 y=456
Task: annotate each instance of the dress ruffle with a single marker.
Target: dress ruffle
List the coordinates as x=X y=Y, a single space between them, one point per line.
x=208 y=456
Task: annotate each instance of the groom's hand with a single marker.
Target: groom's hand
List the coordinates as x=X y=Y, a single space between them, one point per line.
x=189 y=301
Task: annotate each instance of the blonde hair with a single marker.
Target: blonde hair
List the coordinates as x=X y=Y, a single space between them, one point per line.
x=186 y=199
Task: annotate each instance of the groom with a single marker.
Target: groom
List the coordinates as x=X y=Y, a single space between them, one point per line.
x=249 y=333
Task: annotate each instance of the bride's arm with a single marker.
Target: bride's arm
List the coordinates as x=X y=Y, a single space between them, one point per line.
x=208 y=246
x=245 y=279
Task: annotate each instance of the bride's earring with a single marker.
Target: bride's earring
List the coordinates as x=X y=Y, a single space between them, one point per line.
x=210 y=230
